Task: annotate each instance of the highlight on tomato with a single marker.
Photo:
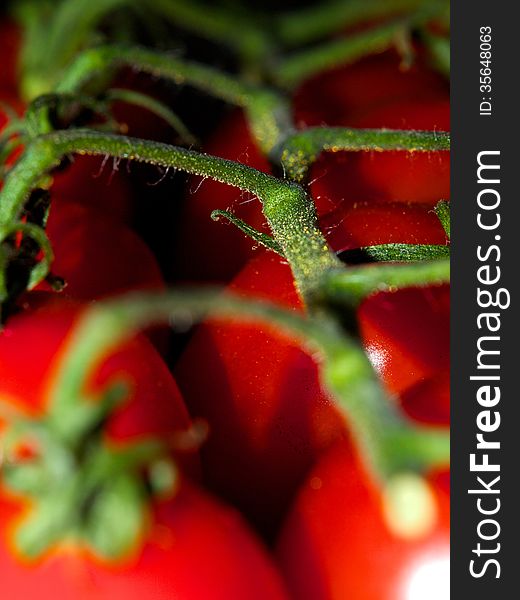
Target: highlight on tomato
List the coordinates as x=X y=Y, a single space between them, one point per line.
x=342 y=538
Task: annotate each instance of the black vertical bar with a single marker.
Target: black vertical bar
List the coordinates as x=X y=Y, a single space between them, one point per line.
x=479 y=127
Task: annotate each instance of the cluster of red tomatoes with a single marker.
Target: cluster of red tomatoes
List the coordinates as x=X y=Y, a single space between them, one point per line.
x=275 y=503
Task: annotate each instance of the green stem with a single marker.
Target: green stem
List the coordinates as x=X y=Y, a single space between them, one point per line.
x=301 y=149
x=320 y=20
x=439 y=49
x=293 y=70
x=389 y=444
x=262 y=238
x=289 y=210
x=353 y=285
x=406 y=252
x=53 y=37
x=374 y=421
x=268 y=111
x=154 y=106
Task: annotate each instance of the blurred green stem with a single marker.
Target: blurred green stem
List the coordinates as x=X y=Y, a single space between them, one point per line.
x=268 y=111
x=388 y=442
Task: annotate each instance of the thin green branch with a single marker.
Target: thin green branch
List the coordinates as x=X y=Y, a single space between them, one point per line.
x=262 y=238
x=351 y=286
x=301 y=149
x=407 y=252
x=154 y=106
x=94 y=62
x=293 y=70
x=439 y=49
x=237 y=30
x=442 y=210
x=53 y=35
x=268 y=111
x=324 y=18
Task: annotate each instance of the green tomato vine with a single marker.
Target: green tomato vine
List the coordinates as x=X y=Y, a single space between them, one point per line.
x=80 y=73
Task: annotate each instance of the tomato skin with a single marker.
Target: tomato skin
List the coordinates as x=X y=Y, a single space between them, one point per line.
x=428 y=400
x=9 y=45
x=268 y=416
x=359 y=224
x=93 y=182
x=195 y=549
x=342 y=96
x=336 y=543
x=406 y=334
x=97 y=256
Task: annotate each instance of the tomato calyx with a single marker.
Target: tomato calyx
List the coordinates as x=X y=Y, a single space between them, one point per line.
x=73 y=480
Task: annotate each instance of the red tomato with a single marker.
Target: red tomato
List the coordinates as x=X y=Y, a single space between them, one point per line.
x=94 y=182
x=194 y=549
x=406 y=335
x=337 y=543
x=98 y=256
x=428 y=400
x=268 y=416
x=342 y=96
